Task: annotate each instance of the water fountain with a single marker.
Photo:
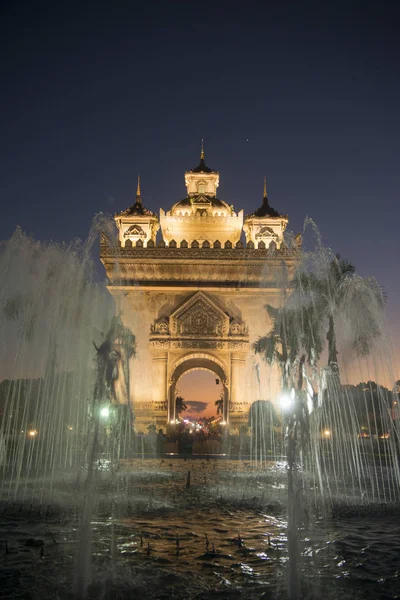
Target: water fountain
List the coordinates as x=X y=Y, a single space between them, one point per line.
x=64 y=441
x=331 y=303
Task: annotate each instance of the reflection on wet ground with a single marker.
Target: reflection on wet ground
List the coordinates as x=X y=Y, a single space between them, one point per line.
x=221 y=536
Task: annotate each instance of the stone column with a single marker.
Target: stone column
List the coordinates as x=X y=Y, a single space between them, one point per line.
x=238 y=405
x=159 y=388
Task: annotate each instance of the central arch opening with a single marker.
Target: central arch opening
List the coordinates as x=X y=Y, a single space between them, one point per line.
x=200 y=382
x=202 y=394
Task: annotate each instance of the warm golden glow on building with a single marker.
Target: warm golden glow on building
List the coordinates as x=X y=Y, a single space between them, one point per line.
x=195 y=298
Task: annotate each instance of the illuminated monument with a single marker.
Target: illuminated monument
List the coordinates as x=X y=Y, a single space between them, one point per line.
x=195 y=298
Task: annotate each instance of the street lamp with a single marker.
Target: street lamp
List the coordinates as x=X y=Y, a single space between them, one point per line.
x=105 y=412
x=287 y=401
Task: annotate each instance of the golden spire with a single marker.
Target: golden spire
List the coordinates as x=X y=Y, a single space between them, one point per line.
x=138 y=197
x=265 y=187
x=202 y=150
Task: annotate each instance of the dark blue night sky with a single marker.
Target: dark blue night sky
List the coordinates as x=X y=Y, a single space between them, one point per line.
x=306 y=94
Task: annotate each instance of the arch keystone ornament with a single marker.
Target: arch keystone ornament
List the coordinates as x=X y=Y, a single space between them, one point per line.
x=194 y=296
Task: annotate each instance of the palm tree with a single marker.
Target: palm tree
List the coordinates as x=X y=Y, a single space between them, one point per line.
x=338 y=293
x=220 y=406
x=113 y=360
x=329 y=289
x=293 y=339
x=294 y=331
x=180 y=405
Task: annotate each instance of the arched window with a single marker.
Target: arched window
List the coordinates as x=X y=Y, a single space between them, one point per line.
x=201 y=188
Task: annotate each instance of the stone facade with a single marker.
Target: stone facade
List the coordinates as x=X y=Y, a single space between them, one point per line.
x=196 y=299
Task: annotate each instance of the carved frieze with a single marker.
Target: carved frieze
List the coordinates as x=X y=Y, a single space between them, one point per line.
x=198 y=344
x=167 y=253
x=238 y=407
x=157 y=343
x=238 y=344
x=160 y=406
x=264 y=273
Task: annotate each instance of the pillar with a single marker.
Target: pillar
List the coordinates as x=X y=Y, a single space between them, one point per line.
x=238 y=405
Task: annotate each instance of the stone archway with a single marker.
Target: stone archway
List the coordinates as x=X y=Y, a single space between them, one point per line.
x=198 y=334
x=191 y=363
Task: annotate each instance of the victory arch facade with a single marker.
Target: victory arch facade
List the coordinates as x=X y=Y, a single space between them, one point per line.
x=194 y=296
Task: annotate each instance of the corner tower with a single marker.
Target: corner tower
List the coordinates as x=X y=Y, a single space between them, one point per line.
x=265 y=224
x=137 y=223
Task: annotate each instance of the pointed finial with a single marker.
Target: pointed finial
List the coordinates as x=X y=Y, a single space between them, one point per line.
x=202 y=150
x=138 y=197
x=265 y=187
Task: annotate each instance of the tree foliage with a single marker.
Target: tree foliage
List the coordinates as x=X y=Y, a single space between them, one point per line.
x=180 y=405
x=336 y=293
x=220 y=406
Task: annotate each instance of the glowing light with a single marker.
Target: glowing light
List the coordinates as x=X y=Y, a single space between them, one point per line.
x=287 y=401
x=223 y=422
x=32 y=432
x=172 y=422
x=70 y=428
x=327 y=433
x=105 y=412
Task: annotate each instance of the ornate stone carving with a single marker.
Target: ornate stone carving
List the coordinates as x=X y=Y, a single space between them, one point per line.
x=238 y=344
x=197 y=344
x=159 y=343
x=199 y=323
x=238 y=407
x=201 y=317
x=135 y=231
x=266 y=234
x=237 y=328
x=164 y=252
x=160 y=406
x=160 y=327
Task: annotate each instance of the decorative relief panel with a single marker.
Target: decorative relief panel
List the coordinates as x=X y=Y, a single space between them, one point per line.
x=238 y=407
x=154 y=343
x=238 y=344
x=237 y=328
x=160 y=406
x=161 y=326
x=198 y=344
x=109 y=251
x=199 y=323
x=200 y=319
x=203 y=343
x=199 y=316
